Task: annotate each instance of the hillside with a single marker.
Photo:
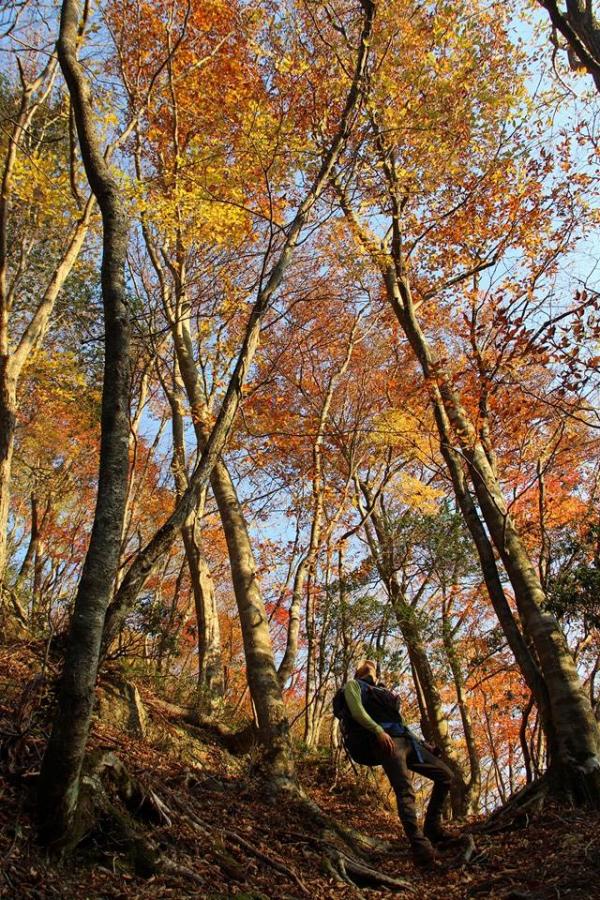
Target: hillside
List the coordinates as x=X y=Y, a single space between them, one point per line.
x=202 y=827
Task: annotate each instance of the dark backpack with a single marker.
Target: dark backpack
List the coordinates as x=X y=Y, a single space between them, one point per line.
x=382 y=705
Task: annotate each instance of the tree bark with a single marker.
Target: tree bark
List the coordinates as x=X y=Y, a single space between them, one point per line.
x=264 y=685
x=13 y=358
x=580 y=29
x=61 y=766
x=573 y=735
x=473 y=787
x=436 y=720
x=8 y=421
x=260 y=662
x=306 y=564
x=210 y=664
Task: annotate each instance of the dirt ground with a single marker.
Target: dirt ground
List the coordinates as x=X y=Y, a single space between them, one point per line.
x=223 y=838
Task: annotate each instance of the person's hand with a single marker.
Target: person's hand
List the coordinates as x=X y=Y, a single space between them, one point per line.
x=433 y=748
x=385 y=743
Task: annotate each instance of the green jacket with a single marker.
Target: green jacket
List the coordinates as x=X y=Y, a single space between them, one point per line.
x=357 y=711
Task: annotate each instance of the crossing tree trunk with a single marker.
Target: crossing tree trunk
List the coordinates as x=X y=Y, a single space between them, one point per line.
x=144 y=563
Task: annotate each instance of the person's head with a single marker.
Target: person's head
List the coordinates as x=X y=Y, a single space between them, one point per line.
x=365 y=668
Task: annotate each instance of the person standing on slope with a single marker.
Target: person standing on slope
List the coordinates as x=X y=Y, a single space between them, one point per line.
x=374 y=734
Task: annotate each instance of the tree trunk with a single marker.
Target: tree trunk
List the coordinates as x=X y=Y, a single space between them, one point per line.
x=489 y=569
x=261 y=671
x=38 y=561
x=473 y=787
x=436 y=717
x=62 y=762
x=211 y=685
x=210 y=663
x=437 y=723
x=252 y=616
x=8 y=420
x=310 y=688
x=306 y=564
x=260 y=661
x=580 y=28
x=573 y=736
x=523 y=739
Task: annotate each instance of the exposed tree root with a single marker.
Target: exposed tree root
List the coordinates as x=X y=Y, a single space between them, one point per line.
x=350 y=870
x=172 y=868
x=468 y=849
x=573 y=784
x=576 y=782
x=112 y=823
x=274 y=863
x=356 y=840
x=98 y=816
x=339 y=847
x=519 y=810
x=342 y=849
x=238 y=741
x=218 y=844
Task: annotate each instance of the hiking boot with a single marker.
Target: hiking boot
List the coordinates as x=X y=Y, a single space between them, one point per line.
x=437 y=835
x=423 y=852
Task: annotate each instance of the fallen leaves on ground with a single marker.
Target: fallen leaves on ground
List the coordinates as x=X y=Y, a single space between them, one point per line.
x=225 y=839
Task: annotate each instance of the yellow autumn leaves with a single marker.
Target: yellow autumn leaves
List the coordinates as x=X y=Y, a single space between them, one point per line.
x=412 y=442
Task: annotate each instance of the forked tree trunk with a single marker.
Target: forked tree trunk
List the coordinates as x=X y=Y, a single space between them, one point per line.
x=62 y=762
x=141 y=568
x=210 y=663
x=264 y=686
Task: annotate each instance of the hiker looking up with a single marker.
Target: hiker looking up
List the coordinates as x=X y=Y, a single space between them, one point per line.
x=374 y=734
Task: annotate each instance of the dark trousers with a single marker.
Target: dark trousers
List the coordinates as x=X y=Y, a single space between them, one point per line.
x=398 y=767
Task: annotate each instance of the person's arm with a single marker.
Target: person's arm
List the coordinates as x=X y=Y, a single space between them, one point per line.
x=353 y=698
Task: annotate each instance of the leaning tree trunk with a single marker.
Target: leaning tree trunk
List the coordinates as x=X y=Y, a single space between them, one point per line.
x=258 y=651
x=577 y=749
x=435 y=718
x=573 y=731
x=576 y=742
x=144 y=563
x=8 y=378
x=487 y=560
x=580 y=28
x=61 y=766
x=263 y=682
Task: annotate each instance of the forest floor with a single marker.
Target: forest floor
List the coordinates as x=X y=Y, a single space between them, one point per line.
x=224 y=839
